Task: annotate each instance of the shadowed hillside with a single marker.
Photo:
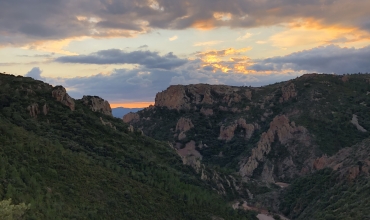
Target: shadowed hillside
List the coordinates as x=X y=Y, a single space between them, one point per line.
x=69 y=159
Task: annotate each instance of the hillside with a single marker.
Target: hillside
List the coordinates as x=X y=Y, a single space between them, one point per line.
x=247 y=142
x=70 y=159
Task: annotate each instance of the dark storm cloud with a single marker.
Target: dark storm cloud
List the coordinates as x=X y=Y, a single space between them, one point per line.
x=329 y=59
x=114 y=56
x=25 y=21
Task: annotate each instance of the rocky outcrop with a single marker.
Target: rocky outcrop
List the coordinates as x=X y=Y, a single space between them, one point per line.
x=354 y=121
x=288 y=92
x=61 y=95
x=206 y=111
x=45 y=109
x=350 y=162
x=33 y=110
x=183 y=97
x=183 y=125
x=228 y=132
x=97 y=104
x=281 y=131
x=190 y=156
x=107 y=123
x=131 y=117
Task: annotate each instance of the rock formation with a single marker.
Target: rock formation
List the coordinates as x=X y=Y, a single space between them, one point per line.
x=97 y=104
x=45 y=109
x=183 y=97
x=61 y=95
x=183 y=125
x=280 y=130
x=206 y=111
x=288 y=92
x=34 y=110
x=131 y=117
x=190 y=156
x=354 y=121
x=227 y=133
x=107 y=123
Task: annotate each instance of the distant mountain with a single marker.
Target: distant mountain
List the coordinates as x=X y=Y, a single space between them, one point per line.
x=120 y=111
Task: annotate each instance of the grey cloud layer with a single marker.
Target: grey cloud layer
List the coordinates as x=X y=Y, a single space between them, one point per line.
x=329 y=59
x=114 y=56
x=142 y=84
x=24 y=21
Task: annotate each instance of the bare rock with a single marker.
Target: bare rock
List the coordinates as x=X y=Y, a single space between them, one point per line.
x=131 y=117
x=107 y=123
x=345 y=78
x=181 y=136
x=184 y=97
x=283 y=131
x=206 y=111
x=228 y=132
x=45 y=109
x=320 y=163
x=184 y=125
x=61 y=95
x=288 y=92
x=173 y=98
x=34 y=110
x=354 y=121
x=190 y=156
x=97 y=104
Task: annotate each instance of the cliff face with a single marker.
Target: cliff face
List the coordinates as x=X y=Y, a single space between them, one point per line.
x=185 y=97
x=293 y=139
x=271 y=134
x=61 y=95
x=97 y=104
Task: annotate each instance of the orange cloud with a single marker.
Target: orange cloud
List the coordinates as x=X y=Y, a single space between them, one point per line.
x=203 y=24
x=228 y=60
x=132 y=104
x=307 y=33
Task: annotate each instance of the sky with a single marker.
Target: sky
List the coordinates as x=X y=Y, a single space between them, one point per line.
x=126 y=51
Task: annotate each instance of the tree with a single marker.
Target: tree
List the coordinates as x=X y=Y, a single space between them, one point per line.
x=12 y=212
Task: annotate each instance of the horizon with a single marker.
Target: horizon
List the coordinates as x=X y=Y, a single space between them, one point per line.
x=127 y=51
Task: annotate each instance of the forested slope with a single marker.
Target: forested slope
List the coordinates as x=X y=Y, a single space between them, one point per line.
x=69 y=162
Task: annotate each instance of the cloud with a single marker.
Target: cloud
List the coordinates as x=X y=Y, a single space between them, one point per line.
x=35 y=73
x=244 y=37
x=173 y=38
x=143 y=46
x=207 y=43
x=230 y=60
x=142 y=84
x=115 y=56
x=38 y=55
x=324 y=59
x=27 y=21
x=261 y=42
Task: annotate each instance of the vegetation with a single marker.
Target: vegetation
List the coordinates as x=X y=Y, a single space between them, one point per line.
x=68 y=165
x=323 y=195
